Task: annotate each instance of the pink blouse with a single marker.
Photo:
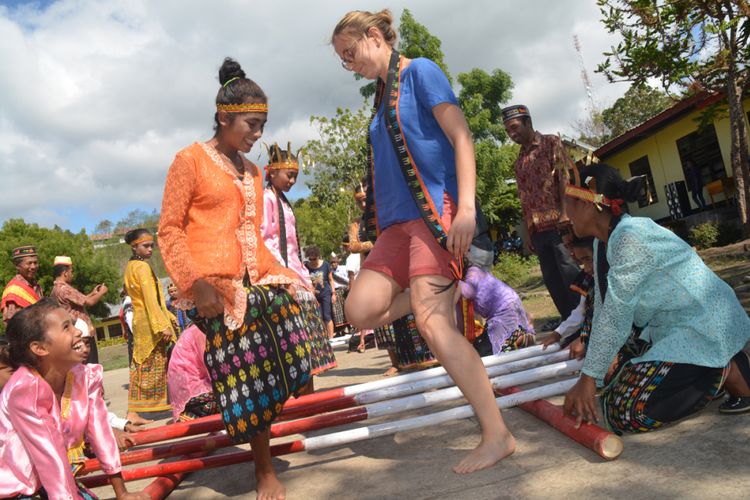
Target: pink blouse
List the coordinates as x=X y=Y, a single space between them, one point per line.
x=187 y=376
x=39 y=439
x=271 y=231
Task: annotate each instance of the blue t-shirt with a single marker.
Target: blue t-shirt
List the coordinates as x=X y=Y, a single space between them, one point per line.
x=423 y=86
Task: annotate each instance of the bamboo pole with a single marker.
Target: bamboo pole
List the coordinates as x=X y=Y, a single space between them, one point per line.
x=372 y=410
x=602 y=442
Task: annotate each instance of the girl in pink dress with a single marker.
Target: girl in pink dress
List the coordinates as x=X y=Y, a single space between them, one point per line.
x=279 y=230
x=188 y=380
x=49 y=404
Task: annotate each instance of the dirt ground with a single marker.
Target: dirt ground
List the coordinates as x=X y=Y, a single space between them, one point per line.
x=704 y=457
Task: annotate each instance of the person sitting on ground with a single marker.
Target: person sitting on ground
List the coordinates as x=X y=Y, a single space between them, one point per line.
x=48 y=406
x=573 y=330
x=508 y=326
x=647 y=277
x=188 y=381
x=121 y=427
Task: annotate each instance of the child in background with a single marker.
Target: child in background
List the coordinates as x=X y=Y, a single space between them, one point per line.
x=576 y=328
x=341 y=285
x=279 y=230
x=50 y=403
x=322 y=280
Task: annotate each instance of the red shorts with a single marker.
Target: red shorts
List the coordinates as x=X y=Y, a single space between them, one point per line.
x=413 y=239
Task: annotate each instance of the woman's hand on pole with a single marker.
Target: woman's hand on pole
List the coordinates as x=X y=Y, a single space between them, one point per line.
x=580 y=401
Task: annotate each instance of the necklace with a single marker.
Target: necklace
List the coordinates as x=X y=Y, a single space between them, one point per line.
x=239 y=169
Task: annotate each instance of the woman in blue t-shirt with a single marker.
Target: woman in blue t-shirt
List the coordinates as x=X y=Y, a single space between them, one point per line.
x=424 y=212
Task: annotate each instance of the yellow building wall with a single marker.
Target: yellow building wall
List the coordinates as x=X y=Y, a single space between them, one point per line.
x=664 y=158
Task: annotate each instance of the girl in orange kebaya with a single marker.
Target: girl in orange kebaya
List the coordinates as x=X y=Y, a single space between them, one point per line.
x=257 y=352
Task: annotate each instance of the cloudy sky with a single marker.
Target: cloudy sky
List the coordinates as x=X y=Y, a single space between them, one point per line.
x=97 y=96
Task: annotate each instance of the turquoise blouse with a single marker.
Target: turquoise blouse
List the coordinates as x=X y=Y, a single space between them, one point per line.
x=657 y=282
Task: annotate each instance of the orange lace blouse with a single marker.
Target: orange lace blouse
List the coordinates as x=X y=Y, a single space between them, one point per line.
x=210 y=229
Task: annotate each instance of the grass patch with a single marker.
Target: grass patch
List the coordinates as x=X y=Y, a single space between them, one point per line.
x=114 y=357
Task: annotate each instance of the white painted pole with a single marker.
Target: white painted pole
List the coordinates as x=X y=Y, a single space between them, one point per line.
x=344 y=339
x=388 y=428
x=416 y=401
x=439 y=381
x=506 y=357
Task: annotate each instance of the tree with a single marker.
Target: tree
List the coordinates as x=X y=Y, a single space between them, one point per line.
x=639 y=103
x=338 y=159
x=688 y=44
x=91 y=267
x=324 y=225
x=138 y=218
x=104 y=227
x=480 y=97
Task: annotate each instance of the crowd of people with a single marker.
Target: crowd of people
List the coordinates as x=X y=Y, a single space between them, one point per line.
x=248 y=317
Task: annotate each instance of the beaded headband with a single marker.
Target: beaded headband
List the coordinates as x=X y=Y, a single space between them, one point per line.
x=142 y=239
x=248 y=107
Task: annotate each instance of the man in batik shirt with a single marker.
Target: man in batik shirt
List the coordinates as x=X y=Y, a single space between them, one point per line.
x=74 y=301
x=541 y=176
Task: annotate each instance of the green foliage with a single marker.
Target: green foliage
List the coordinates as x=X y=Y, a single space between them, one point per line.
x=417 y=41
x=90 y=267
x=679 y=42
x=137 y=218
x=704 y=235
x=480 y=98
x=498 y=198
x=514 y=269
x=688 y=45
x=338 y=159
x=639 y=103
x=324 y=225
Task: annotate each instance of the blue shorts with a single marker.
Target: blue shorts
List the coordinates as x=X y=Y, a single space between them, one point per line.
x=326 y=311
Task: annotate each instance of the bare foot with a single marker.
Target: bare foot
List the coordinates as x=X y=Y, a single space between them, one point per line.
x=391 y=371
x=487 y=454
x=269 y=487
x=136 y=419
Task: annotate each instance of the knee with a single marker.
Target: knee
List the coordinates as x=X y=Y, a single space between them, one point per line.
x=354 y=314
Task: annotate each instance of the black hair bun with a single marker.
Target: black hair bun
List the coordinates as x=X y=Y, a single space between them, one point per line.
x=230 y=69
x=634 y=188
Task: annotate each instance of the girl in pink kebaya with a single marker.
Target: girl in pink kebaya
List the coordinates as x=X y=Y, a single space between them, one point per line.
x=48 y=406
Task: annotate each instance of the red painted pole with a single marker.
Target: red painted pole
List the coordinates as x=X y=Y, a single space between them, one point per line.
x=210 y=443
x=192 y=464
x=602 y=442
x=304 y=406
x=161 y=487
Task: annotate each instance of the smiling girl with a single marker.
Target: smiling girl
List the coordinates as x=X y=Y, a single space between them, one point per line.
x=48 y=406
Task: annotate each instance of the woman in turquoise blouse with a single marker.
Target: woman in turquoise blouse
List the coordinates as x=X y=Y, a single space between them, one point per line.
x=690 y=322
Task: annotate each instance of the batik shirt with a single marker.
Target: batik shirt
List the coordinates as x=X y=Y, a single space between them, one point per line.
x=539 y=171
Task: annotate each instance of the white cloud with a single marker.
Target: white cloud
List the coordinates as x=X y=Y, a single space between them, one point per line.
x=97 y=96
